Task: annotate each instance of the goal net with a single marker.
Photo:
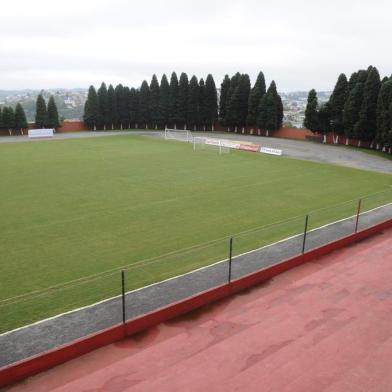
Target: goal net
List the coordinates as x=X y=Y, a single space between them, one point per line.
x=203 y=143
x=177 y=134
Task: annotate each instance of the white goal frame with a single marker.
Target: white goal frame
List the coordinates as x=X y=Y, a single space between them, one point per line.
x=175 y=134
x=209 y=143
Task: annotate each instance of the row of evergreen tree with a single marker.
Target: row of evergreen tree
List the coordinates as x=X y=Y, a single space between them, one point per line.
x=240 y=105
x=180 y=103
x=360 y=107
x=45 y=117
x=13 y=119
x=183 y=103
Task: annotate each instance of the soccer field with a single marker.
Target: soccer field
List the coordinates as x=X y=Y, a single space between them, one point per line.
x=75 y=208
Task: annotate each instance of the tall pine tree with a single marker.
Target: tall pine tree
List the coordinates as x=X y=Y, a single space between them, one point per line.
x=225 y=86
x=53 y=115
x=257 y=92
x=337 y=102
x=112 y=112
x=144 y=105
x=8 y=119
x=40 y=112
x=164 y=101
x=270 y=112
x=154 y=101
x=232 y=114
x=211 y=102
x=193 y=103
x=20 y=117
x=237 y=107
x=366 y=127
x=182 y=102
x=90 y=116
x=324 y=118
x=351 y=109
x=384 y=113
x=202 y=105
x=122 y=106
x=311 y=120
x=133 y=107
x=173 y=98
x=103 y=115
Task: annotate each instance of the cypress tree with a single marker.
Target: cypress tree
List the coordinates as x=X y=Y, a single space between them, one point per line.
x=270 y=112
x=20 y=117
x=103 y=118
x=225 y=86
x=182 y=102
x=164 y=101
x=122 y=107
x=193 y=103
x=203 y=111
x=8 y=118
x=233 y=117
x=237 y=106
x=351 y=109
x=257 y=92
x=1 y=118
x=144 y=105
x=324 y=118
x=53 y=115
x=366 y=127
x=90 y=116
x=154 y=101
x=211 y=101
x=233 y=102
x=40 y=112
x=173 y=98
x=337 y=102
x=384 y=118
x=280 y=114
x=311 y=112
x=133 y=107
x=112 y=111
x=244 y=88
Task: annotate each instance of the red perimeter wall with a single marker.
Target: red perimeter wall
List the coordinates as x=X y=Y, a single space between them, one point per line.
x=28 y=367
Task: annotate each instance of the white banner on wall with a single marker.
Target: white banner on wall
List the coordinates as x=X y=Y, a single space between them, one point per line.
x=272 y=151
x=44 y=132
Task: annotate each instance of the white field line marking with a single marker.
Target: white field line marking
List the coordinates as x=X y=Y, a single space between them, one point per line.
x=186 y=273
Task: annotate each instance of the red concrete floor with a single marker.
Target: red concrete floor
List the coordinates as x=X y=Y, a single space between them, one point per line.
x=324 y=326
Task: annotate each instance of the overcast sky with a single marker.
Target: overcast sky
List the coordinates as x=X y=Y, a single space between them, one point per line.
x=301 y=44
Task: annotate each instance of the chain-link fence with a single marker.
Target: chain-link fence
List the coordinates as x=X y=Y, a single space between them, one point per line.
x=90 y=304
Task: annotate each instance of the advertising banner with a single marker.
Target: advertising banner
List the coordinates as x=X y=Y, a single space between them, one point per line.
x=272 y=151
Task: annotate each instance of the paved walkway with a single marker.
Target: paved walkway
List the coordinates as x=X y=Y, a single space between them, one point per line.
x=323 y=326
x=36 y=338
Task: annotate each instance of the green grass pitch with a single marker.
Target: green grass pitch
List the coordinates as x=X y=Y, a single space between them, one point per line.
x=75 y=208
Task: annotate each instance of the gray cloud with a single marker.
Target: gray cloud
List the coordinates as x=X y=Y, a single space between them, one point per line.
x=299 y=44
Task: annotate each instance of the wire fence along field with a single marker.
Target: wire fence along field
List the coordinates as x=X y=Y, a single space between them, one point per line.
x=245 y=252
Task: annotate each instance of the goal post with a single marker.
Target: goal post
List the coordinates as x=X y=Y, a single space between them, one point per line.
x=178 y=134
x=204 y=143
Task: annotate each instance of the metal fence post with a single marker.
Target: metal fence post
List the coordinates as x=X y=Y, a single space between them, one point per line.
x=358 y=213
x=230 y=256
x=123 y=294
x=305 y=232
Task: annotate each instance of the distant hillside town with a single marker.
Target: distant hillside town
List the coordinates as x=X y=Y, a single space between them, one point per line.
x=70 y=103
